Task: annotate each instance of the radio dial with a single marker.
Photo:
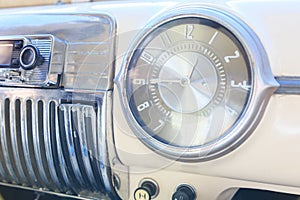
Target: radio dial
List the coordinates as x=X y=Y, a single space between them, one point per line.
x=30 y=57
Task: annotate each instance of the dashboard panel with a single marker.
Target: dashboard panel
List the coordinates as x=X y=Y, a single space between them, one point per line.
x=150 y=100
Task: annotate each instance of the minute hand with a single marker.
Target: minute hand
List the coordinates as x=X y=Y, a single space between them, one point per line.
x=155 y=81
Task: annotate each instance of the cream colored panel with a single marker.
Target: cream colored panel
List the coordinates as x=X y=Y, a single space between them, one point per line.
x=207 y=187
x=275 y=22
x=20 y=3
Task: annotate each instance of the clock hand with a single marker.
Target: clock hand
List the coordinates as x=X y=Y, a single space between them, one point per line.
x=155 y=81
x=193 y=69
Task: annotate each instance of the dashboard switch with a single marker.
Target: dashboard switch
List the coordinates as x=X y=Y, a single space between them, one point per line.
x=184 y=192
x=147 y=191
x=18 y=44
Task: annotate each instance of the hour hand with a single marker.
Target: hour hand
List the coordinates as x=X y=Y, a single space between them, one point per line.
x=193 y=68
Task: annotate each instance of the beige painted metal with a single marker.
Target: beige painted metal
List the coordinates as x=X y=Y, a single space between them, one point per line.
x=22 y=3
x=268 y=160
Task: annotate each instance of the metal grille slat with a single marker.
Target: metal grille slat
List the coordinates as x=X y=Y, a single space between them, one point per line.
x=15 y=149
x=65 y=146
x=30 y=138
x=82 y=134
x=37 y=144
x=5 y=146
x=48 y=149
x=78 y=153
x=92 y=141
x=25 y=144
x=48 y=143
x=18 y=130
x=3 y=169
x=59 y=162
x=62 y=149
x=70 y=144
x=2 y=172
x=44 y=144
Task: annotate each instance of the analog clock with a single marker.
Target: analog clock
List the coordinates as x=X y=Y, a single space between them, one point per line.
x=187 y=85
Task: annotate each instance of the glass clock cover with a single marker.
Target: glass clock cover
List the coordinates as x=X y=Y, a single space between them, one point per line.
x=187 y=83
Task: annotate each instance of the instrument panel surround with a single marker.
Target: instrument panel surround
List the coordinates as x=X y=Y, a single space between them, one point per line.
x=262 y=86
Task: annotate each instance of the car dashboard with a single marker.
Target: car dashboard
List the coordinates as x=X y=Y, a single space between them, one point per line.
x=178 y=100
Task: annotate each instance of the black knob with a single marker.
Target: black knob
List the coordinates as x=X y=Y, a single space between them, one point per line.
x=150 y=187
x=30 y=57
x=18 y=45
x=184 y=192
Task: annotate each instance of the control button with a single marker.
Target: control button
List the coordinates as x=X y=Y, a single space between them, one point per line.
x=142 y=194
x=148 y=190
x=18 y=45
x=151 y=187
x=179 y=195
x=184 y=192
x=30 y=57
x=15 y=62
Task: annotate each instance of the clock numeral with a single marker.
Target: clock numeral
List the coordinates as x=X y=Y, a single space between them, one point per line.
x=235 y=56
x=242 y=85
x=147 y=57
x=188 y=31
x=165 y=39
x=143 y=106
x=161 y=124
x=231 y=111
x=213 y=38
x=139 y=81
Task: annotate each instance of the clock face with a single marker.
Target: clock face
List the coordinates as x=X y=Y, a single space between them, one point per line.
x=188 y=82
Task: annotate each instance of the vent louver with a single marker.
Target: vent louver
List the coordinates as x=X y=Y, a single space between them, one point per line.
x=50 y=145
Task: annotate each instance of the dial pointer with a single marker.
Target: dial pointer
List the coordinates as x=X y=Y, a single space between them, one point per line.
x=193 y=69
x=156 y=81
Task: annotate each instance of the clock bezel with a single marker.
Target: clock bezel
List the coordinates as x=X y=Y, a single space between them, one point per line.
x=263 y=86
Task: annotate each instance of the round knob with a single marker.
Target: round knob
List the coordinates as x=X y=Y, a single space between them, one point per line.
x=179 y=195
x=142 y=194
x=184 y=192
x=30 y=57
x=151 y=187
x=148 y=190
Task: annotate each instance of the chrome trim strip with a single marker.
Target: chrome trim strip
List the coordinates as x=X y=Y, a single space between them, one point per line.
x=5 y=145
x=25 y=144
x=105 y=140
x=93 y=142
x=70 y=143
x=13 y=134
x=57 y=143
x=47 y=143
x=37 y=145
x=288 y=85
x=5 y=172
x=82 y=134
x=49 y=164
x=2 y=172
